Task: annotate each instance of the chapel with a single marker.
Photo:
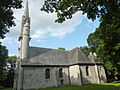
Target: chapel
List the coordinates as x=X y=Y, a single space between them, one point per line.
x=39 y=67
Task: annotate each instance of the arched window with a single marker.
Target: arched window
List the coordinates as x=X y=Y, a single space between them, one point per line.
x=100 y=69
x=47 y=74
x=87 y=71
x=60 y=72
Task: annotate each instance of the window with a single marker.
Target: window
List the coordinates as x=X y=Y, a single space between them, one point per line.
x=60 y=72
x=87 y=71
x=61 y=83
x=47 y=74
x=100 y=69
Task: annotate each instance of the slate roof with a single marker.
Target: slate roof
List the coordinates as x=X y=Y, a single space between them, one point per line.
x=46 y=56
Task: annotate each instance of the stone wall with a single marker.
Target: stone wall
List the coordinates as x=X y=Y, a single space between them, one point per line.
x=102 y=75
x=90 y=76
x=75 y=75
x=34 y=77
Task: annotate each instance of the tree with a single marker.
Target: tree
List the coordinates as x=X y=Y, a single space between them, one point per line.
x=11 y=61
x=95 y=43
x=3 y=57
x=6 y=15
x=61 y=48
x=7 y=67
x=93 y=8
x=105 y=42
x=86 y=50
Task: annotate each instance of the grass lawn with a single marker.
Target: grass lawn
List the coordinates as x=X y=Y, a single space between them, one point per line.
x=104 y=86
x=6 y=89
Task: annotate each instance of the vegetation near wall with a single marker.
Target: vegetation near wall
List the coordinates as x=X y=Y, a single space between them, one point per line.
x=7 y=67
x=106 y=86
x=6 y=22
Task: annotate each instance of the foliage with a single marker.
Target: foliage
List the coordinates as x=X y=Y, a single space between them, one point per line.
x=3 y=57
x=61 y=48
x=11 y=60
x=86 y=50
x=6 y=89
x=110 y=29
x=93 y=8
x=7 y=66
x=6 y=15
x=10 y=71
x=105 y=42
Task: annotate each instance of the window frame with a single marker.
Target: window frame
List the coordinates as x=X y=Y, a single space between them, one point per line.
x=47 y=73
x=60 y=73
x=87 y=71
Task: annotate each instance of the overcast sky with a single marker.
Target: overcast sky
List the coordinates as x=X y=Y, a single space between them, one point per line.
x=46 y=33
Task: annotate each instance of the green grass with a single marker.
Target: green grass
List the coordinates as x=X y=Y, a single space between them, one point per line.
x=104 y=86
x=6 y=89
x=112 y=84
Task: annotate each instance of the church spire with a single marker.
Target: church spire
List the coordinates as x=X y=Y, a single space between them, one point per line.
x=25 y=34
x=26 y=12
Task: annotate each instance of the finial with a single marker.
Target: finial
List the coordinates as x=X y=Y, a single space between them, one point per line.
x=26 y=12
x=27 y=4
x=95 y=54
x=90 y=53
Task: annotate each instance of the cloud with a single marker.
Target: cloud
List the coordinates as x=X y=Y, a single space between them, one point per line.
x=38 y=34
x=9 y=40
x=42 y=24
x=45 y=23
x=41 y=41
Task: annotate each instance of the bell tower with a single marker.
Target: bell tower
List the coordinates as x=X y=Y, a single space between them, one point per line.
x=24 y=37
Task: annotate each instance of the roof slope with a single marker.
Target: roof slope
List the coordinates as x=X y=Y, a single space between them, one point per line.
x=51 y=57
x=46 y=56
x=82 y=58
x=77 y=56
x=35 y=51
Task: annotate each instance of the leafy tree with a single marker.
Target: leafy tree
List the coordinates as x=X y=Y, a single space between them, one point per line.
x=86 y=50
x=111 y=49
x=7 y=66
x=105 y=42
x=61 y=48
x=11 y=61
x=3 y=57
x=109 y=33
x=93 y=8
x=6 y=15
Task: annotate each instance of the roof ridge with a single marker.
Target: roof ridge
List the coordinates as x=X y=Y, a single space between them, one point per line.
x=40 y=47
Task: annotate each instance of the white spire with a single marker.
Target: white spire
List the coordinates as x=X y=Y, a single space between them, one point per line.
x=26 y=12
x=25 y=32
x=26 y=18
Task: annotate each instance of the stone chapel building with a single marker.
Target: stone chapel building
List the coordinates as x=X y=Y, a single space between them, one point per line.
x=44 y=67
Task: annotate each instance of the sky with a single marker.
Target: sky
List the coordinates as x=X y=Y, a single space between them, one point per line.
x=48 y=34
